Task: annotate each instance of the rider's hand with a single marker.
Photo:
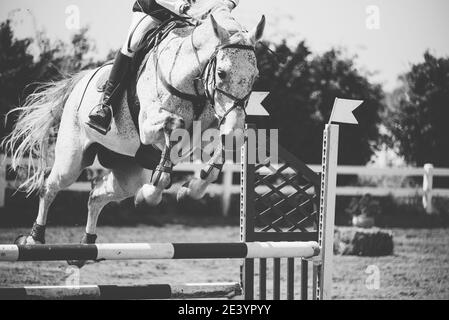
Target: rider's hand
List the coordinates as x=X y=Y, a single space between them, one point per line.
x=184 y=8
x=231 y=4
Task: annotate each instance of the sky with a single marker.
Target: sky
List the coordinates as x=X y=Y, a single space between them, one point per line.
x=385 y=36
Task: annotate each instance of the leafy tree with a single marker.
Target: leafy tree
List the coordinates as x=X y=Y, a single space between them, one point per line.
x=418 y=112
x=304 y=88
x=21 y=72
x=16 y=68
x=74 y=56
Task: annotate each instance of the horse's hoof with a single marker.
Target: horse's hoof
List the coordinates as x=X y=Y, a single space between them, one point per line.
x=36 y=236
x=190 y=191
x=76 y=263
x=183 y=193
x=86 y=239
x=26 y=240
x=21 y=240
x=204 y=174
x=150 y=195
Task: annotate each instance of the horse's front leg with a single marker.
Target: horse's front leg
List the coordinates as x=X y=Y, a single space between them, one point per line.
x=161 y=178
x=196 y=188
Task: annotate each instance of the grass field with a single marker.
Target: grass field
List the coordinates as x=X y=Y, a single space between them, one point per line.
x=419 y=268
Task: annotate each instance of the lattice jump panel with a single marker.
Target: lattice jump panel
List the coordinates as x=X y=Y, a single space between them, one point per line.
x=285 y=199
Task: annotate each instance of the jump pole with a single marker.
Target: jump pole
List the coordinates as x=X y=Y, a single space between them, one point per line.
x=112 y=292
x=150 y=251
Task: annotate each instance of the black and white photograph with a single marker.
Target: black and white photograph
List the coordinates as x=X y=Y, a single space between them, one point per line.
x=230 y=150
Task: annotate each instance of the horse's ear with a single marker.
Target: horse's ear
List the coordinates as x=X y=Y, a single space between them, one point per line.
x=221 y=33
x=257 y=33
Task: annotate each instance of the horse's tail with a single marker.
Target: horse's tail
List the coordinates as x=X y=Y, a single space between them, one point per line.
x=38 y=120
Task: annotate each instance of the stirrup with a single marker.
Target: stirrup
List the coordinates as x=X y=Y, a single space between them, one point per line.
x=95 y=125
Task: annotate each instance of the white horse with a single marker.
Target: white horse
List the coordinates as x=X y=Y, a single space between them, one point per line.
x=218 y=45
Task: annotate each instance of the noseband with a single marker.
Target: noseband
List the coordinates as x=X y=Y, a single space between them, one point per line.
x=208 y=78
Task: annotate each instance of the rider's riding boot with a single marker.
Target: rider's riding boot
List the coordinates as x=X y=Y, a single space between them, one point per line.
x=100 y=117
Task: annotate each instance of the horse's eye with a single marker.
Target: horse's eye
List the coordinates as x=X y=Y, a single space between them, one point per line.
x=221 y=74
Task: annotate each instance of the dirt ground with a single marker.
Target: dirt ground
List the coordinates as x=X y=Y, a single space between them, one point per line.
x=419 y=268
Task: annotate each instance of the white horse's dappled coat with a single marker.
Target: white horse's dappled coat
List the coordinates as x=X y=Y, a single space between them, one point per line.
x=161 y=112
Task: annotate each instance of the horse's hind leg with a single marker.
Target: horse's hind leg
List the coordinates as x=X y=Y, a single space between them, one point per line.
x=65 y=171
x=118 y=185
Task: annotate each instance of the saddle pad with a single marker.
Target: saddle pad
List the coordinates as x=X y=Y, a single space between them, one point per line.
x=147 y=157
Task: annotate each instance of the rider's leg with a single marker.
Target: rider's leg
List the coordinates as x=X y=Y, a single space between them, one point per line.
x=101 y=115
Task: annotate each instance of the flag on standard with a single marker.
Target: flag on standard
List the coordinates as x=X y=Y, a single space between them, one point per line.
x=342 y=111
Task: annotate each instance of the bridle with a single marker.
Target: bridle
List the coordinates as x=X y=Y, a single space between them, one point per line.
x=208 y=78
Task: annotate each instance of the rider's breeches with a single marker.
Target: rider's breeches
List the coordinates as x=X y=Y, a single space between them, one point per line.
x=140 y=25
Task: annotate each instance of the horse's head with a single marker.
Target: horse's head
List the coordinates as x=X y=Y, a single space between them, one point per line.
x=231 y=72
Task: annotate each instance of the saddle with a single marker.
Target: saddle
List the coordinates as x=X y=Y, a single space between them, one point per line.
x=147 y=156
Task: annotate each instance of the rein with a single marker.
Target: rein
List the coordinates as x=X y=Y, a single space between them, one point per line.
x=208 y=78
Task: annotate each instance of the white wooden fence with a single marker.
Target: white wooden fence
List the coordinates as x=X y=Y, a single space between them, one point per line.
x=226 y=188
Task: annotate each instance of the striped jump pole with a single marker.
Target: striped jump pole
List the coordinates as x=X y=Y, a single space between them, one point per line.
x=148 y=251
x=112 y=292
